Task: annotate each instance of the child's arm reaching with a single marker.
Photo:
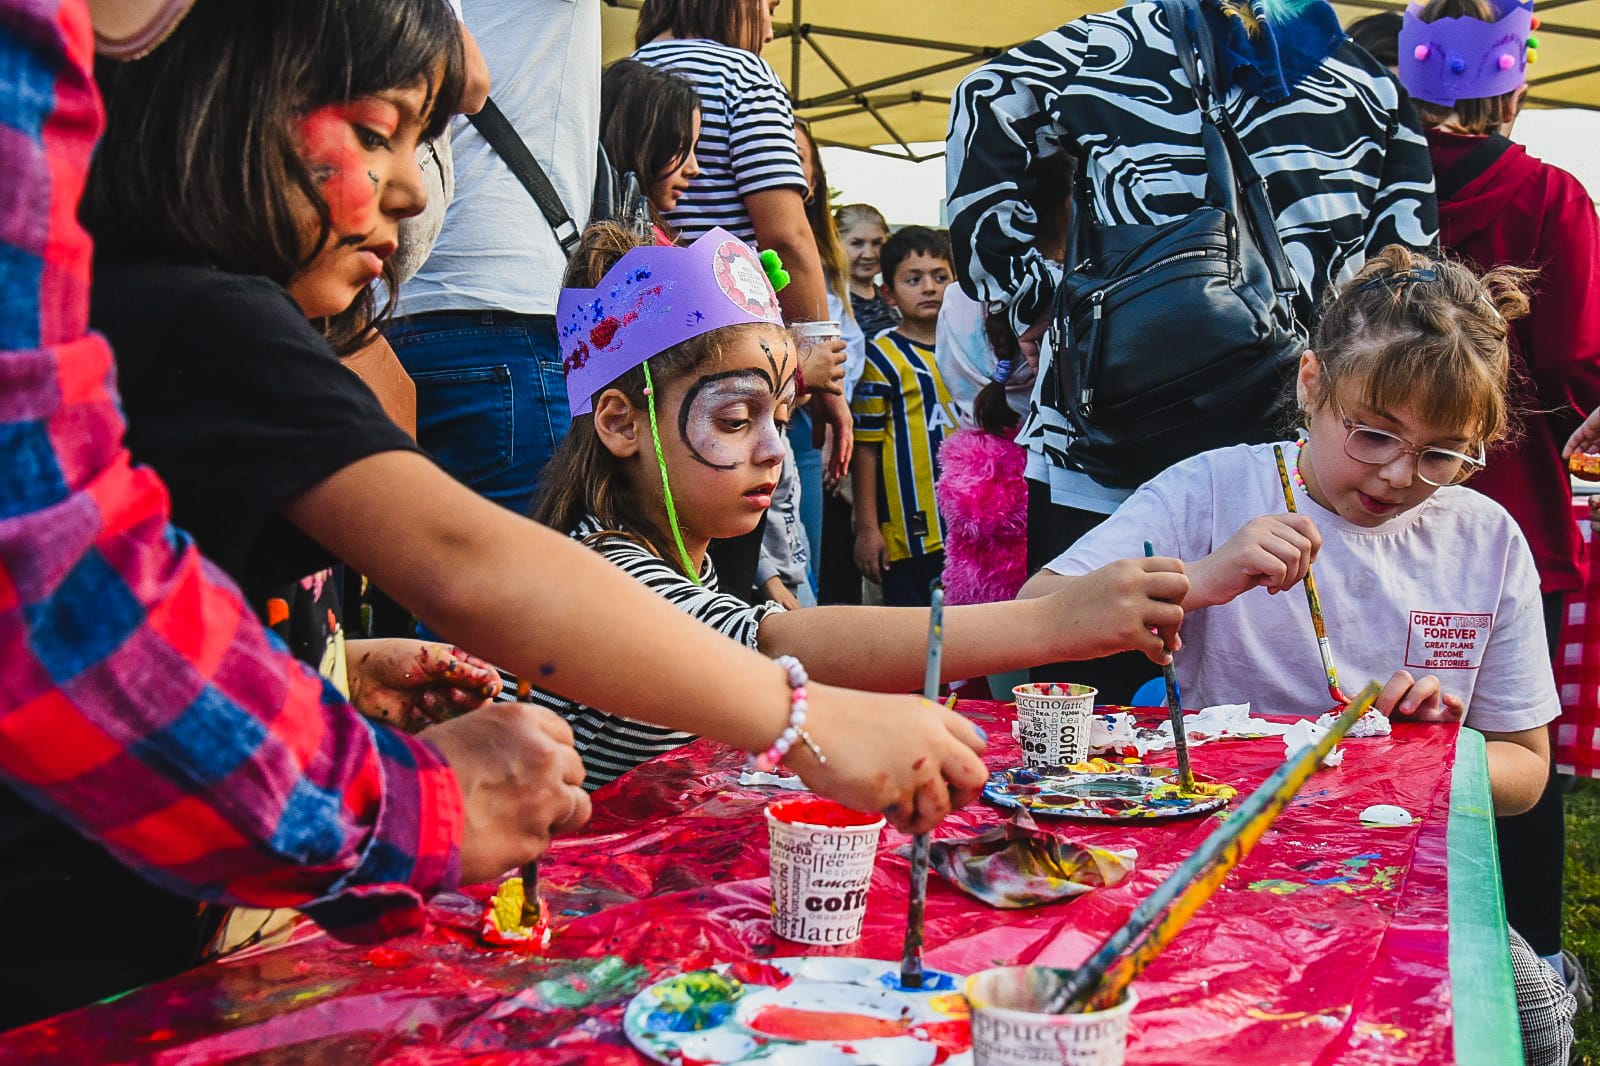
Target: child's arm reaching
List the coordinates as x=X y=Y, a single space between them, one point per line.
x=1112 y=609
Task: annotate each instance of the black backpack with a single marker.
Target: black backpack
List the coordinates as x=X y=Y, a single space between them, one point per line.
x=1174 y=339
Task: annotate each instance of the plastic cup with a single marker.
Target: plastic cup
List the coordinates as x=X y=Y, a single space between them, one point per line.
x=822 y=859
x=1009 y=1027
x=1053 y=722
x=809 y=333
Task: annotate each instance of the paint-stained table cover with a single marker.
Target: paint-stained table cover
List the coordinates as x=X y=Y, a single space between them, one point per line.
x=1330 y=943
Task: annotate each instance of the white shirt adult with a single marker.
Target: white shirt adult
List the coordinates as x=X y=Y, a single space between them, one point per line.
x=496 y=251
x=1447 y=588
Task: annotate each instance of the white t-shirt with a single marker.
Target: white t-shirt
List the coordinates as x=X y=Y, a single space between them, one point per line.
x=1447 y=588
x=496 y=251
x=746 y=133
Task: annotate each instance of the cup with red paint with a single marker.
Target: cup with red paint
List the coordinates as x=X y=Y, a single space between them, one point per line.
x=822 y=856
x=1010 y=1026
x=1053 y=722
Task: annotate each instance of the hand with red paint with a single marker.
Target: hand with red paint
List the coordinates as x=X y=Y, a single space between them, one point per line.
x=833 y=423
x=412 y=683
x=1418 y=700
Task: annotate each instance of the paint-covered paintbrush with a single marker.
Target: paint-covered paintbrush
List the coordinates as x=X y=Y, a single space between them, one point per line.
x=1180 y=738
x=1099 y=983
x=532 y=914
x=911 y=956
x=1312 y=599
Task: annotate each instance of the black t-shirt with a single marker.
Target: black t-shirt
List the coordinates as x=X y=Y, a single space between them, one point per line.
x=239 y=404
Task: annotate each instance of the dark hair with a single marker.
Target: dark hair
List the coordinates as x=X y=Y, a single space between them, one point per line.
x=200 y=158
x=990 y=409
x=1479 y=115
x=646 y=120
x=583 y=477
x=1379 y=34
x=1411 y=329
x=908 y=241
x=835 y=268
x=731 y=22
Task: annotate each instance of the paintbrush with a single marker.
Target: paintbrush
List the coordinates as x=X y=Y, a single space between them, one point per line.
x=1099 y=983
x=531 y=915
x=911 y=955
x=1180 y=739
x=1312 y=599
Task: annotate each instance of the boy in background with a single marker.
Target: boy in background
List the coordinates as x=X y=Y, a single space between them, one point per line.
x=903 y=413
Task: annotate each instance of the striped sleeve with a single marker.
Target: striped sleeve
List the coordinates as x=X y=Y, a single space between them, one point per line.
x=611 y=744
x=761 y=144
x=144 y=705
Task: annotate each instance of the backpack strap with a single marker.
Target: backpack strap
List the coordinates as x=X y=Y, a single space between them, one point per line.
x=492 y=123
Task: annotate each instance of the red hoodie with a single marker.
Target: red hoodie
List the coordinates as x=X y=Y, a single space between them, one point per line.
x=1520 y=211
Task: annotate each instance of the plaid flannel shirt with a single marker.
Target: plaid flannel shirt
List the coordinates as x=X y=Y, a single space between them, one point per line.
x=140 y=700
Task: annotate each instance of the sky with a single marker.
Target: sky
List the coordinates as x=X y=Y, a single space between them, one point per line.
x=913 y=192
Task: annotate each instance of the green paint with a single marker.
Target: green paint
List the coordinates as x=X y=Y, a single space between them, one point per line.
x=605 y=979
x=1277 y=886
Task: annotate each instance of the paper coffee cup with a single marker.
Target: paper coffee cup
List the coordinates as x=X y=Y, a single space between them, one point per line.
x=1053 y=722
x=1009 y=1027
x=809 y=333
x=822 y=859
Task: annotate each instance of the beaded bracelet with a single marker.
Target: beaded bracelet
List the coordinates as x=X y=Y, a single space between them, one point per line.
x=769 y=760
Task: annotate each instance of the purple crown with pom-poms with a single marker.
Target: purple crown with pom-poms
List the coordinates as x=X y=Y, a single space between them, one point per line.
x=1465 y=58
x=652 y=299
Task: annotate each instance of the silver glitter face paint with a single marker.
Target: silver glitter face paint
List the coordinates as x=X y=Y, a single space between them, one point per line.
x=731 y=418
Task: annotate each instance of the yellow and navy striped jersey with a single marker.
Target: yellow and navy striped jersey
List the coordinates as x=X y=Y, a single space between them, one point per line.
x=902 y=404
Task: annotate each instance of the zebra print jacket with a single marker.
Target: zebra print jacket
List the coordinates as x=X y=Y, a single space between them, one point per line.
x=1345 y=162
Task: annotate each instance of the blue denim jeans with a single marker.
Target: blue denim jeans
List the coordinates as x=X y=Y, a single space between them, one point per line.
x=808 y=465
x=491 y=396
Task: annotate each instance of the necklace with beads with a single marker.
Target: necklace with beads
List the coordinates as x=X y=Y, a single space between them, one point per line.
x=1294 y=469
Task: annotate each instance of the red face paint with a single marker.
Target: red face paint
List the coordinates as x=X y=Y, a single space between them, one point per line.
x=335 y=153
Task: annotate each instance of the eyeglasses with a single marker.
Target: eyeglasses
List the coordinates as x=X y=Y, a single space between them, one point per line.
x=1437 y=466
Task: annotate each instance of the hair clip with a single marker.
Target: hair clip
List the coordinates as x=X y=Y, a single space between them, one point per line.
x=1002 y=371
x=773 y=265
x=1400 y=279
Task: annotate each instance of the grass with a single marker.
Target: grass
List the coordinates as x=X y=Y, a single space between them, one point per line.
x=1581 y=933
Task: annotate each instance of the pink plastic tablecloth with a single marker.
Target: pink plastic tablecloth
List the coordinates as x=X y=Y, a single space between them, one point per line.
x=1329 y=944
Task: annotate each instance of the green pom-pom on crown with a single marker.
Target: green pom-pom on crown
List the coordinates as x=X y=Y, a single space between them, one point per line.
x=774 y=268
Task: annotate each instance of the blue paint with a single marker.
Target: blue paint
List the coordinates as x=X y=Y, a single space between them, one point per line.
x=697 y=1018
x=1329 y=881
x=932 y=981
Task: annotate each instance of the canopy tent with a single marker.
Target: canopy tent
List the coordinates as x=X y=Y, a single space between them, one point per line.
x=874 y=73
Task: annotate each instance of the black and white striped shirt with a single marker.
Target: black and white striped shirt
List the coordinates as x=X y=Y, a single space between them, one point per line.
x=1345 y=164
x=746 y=133
x=610 y=744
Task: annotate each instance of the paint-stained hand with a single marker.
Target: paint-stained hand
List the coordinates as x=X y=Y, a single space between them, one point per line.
x=911 y=759
x=521 y=783
x=414 y=683
x=1128 y=605
x=831 y=418
x=1418 y=700
x=1274 y=552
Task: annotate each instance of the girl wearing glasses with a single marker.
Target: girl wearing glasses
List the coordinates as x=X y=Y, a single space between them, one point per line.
x=1422 y=581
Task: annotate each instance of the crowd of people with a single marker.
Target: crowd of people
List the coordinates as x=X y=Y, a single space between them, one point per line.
x=401 y=411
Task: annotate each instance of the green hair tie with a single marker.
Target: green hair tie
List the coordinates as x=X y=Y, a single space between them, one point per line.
x=774 y=268
x=666 y=486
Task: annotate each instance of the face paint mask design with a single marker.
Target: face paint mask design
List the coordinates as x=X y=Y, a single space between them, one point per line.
x=752 y=395
x=336 y=156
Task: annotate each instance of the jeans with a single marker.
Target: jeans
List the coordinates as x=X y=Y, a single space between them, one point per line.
x=808 y=464
x=491 y=396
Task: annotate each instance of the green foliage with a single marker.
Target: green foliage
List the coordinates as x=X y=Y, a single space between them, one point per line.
x=1581 y=933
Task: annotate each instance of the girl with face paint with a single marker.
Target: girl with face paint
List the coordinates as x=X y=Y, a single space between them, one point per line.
x=680 y=407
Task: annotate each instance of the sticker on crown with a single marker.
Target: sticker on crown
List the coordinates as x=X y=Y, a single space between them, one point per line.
x=742 y=280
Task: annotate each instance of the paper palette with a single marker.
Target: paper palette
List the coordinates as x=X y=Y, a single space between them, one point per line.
x=1104 y=792
x=801 y=1011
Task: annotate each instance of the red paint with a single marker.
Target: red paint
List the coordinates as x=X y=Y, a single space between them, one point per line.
x=791 y=1023
x=759 y=973
x=388 y=958
x=334 y=152
x=810 y=810
x=918 y=764
x=952 y=1037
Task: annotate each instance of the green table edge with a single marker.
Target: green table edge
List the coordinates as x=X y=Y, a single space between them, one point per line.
x=1483 y=993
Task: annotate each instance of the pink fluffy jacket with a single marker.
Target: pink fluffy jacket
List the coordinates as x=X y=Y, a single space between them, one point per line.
x=983 y=499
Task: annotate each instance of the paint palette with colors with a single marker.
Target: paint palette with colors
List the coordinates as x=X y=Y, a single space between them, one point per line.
x=801 y=1011
x=1098 y=790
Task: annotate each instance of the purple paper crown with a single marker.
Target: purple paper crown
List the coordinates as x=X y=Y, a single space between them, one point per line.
x=654 y=298
x=1465 y=58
